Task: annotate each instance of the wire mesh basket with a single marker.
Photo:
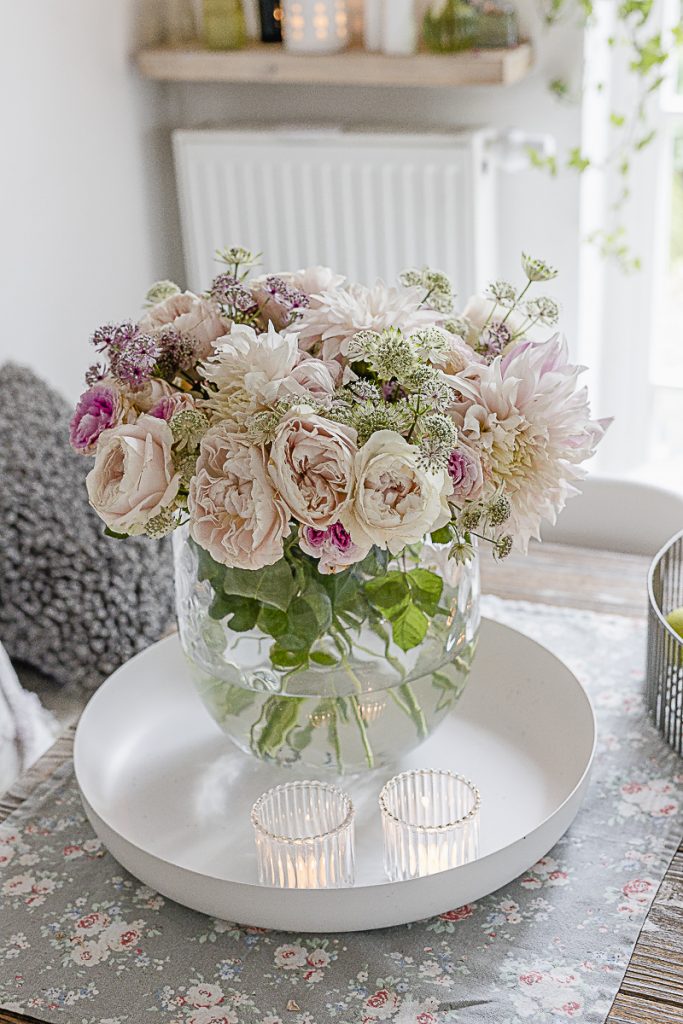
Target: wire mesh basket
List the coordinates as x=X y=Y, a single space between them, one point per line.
x=664 y=645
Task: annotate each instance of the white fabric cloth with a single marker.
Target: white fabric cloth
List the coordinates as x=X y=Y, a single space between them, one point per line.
x=26 y=728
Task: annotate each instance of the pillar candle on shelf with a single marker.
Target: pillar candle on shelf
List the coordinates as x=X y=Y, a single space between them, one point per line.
x=372 y=25
x=315 y=26
x=399 y=27
x=356 y=21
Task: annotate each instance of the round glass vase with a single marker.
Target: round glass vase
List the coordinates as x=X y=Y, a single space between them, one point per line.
x=355 y=705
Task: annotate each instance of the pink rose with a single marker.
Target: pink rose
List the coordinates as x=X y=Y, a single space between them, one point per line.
x=465 y=470
x=235 y=513
x=98 y=409
x=190 y=315
x=133 y=477
x=333 y=547
x=311 y=465
x=151 y=394
x=167 y=407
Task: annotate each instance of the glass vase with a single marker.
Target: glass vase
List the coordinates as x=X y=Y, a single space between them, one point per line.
x=224 y=25
x=359 y=701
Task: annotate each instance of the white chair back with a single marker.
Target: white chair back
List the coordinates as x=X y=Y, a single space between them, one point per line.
x=618 y=515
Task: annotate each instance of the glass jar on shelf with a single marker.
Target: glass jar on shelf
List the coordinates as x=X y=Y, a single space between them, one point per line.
x=468 y=24
x=224 y=25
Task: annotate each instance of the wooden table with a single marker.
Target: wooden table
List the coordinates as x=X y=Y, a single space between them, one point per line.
x=652 y=989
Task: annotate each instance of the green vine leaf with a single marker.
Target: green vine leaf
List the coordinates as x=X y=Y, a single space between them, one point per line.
x=577 y=161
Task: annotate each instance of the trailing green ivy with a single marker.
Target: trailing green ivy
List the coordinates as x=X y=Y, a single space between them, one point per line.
x=647 y=53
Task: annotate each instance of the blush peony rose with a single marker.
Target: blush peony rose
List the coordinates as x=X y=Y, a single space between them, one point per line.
x=98 y=409
x=395 y=501
x=189 y=314
x=311 y=465
x=133 y=477
x=235 y=513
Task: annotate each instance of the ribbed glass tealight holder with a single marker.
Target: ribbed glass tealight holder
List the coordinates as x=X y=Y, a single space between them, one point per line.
x=430 y=821
x=304 y=836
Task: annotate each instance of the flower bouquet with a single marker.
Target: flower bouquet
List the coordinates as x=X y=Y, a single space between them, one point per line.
x=331 y=455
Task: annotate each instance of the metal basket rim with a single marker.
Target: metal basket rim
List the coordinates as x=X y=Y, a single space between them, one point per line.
x=650 y=588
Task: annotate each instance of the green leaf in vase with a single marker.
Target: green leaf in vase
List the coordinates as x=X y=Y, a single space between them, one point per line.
x=272 y=621
x=243 y=611
x=389 y=593
x=273 y=585
x=409 y=628
x=426 y=589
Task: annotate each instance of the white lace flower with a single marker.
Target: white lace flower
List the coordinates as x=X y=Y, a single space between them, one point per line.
x=249 y=370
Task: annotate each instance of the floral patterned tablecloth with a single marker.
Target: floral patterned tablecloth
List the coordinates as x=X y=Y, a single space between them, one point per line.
x=84 y=942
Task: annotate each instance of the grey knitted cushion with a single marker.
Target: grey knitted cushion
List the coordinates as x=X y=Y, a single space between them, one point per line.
x=73 y=603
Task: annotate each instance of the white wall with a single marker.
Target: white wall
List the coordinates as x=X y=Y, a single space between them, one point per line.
x=88 y=214
x=87 y=208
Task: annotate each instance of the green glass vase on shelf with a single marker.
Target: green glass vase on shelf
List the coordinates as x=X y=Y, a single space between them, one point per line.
x=452 y=25
x=224 y=25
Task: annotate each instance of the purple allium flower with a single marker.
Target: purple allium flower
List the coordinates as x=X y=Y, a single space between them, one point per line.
x=290 y=298
x=178 y=352
x=95 y=373
x=226 y=290
x=113 y=336
x=134 y=360
x=494 y=338
x=98 y=409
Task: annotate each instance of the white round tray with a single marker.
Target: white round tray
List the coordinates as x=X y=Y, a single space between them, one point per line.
x=170 y=797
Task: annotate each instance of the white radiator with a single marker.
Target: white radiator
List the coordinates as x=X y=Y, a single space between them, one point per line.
x=367 y=204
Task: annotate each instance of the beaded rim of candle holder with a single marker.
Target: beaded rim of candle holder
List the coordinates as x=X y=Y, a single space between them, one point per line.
x=330 y=848
x=413 y=848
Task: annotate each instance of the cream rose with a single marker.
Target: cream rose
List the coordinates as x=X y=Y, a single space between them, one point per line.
x=394 y=501
x=133 y=477
x=311 y=465
x=189 y=314
x=235 y=514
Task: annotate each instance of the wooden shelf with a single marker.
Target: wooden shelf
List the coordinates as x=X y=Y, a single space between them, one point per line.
x=263 y=63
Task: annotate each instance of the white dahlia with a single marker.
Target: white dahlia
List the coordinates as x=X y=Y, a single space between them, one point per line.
x=531 y=427
x=335 y=316
x=249 y=371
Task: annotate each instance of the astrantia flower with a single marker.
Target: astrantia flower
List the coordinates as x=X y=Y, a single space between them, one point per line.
x=537 y=270
x=279 y=302
x=531 y=427
x=249 y=370
x=337 y=315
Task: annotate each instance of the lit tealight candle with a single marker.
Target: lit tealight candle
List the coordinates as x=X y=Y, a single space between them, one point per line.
x=430 y=821
x=304 y=835
x=315 y=26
